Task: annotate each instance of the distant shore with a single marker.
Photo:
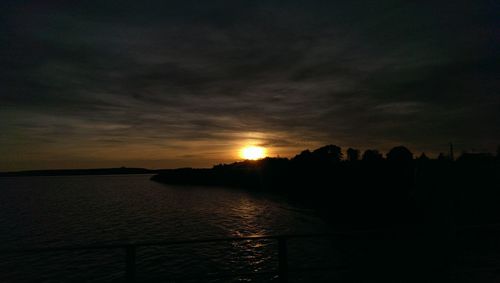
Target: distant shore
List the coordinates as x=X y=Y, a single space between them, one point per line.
x=80 y=172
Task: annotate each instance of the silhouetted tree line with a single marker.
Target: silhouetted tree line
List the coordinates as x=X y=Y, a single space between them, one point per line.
x=366 y=188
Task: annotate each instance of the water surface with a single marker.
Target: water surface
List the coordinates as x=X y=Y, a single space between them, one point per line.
x=86 y=210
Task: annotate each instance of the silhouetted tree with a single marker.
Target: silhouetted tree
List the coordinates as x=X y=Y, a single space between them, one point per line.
x=372 y=155
x=399 y=154
x=331 y=153
x=423 y=157
x=304 y=156
x=352 y=154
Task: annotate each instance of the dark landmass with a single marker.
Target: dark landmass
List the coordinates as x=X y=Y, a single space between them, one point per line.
x=419 y=208
x=359 y=183
x=76 y=172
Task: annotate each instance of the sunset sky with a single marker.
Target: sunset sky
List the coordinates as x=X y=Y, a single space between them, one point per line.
x=162 y=84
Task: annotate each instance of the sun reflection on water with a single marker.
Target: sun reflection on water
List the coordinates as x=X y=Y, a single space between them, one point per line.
x=255 y=253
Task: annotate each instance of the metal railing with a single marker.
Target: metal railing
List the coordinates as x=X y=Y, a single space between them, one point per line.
x=131 y=249
x=282 y=246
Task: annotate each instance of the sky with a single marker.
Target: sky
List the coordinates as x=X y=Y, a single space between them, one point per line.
x=164 y=84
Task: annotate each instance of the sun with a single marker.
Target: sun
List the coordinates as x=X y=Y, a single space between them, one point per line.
x=253 y=152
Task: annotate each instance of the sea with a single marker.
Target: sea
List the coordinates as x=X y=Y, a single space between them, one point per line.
x=89 y=211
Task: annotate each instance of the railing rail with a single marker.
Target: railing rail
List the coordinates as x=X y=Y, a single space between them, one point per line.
x=282 y=241
x=131 y=248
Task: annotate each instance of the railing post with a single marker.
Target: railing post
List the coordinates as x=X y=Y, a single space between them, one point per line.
x=130 y=263
x=282 y=260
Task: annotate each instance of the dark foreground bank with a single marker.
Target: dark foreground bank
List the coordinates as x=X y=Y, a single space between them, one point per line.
x=433 y=219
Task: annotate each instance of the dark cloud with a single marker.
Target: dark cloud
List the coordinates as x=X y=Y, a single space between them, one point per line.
x=190 y=82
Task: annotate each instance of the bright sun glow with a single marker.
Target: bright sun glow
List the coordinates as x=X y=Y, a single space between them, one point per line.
x=253 y=152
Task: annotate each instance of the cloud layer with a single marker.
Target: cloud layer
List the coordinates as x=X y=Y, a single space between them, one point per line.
x=164 y=84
